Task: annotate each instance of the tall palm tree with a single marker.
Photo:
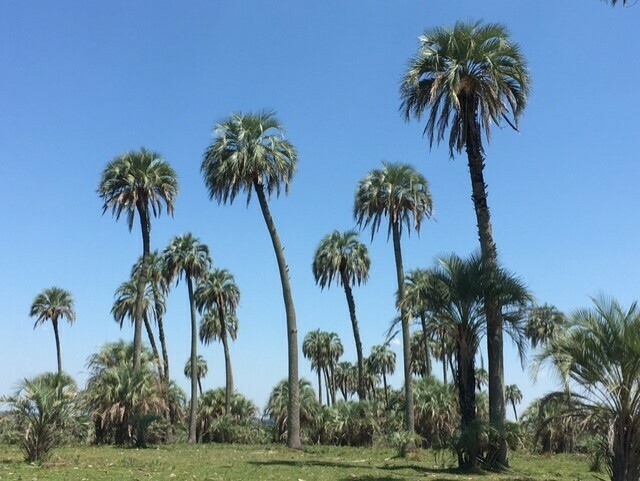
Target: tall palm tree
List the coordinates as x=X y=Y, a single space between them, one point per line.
x=185 y=257
x=598 y=359
x=383 y=362
x=456 y=297
x=138 y=181
x=467 y=78
x=219 y=296
x=202 y=369
x=401 y=194
x=513 y=395
x=342 y=258
x=124 y=307
x=313 y=348
x=52 y=305
x=250 y=154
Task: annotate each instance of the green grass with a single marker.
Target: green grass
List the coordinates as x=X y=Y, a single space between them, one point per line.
x=257 y=463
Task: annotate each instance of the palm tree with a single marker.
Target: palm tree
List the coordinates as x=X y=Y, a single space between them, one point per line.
x=187 y=257
x=346 y=377
x=383 y=362
x=334 y=350
x=342 y=258
x=219 y=296
x=416 y=281
x=124 y=307
x=138 y=181
x=52 y=305
x=598 y=358
x=401 y=194
x=470 y=77
x=513 y=395
x=313 y=348
x=543 y=324
x=250 y=154
x=202 y=369
x=278 y=406
x=456 y=298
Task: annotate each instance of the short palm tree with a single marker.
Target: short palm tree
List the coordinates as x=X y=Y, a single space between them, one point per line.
x=187 y=258
x=250 y=154
x=456 y=298
x=138 y=181
x=464 y=79
x=383 y=363
x=334 y=350
x=53 y=305
x=218 y=296
x=598 y=358
x=124 y=308
x=401 y=194
x=313 y=348
x=342 y=258
x=202 y=369
x=513 y=395
x=346 y=378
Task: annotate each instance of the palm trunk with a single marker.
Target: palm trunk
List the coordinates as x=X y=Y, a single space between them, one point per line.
x=467 y=396
x=515 y=413
x=326 y=385
x=227 y=365
x=490 y=263
x=293 y=408
x=406 y=338
x=200 y=385
x=319 y=386
x=362 y=391
x=58 y=351
x=386 y=391
x=427 y=353
x=145 y=225
x=193 y=413
x=154 y=347
x=332 y=377
x=165 y=359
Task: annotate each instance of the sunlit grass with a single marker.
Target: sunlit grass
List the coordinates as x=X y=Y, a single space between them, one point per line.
x=256 y=463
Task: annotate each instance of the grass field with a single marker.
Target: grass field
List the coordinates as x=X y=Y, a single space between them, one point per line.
x=255 y=463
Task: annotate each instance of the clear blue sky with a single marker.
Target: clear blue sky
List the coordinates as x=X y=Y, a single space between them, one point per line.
x=82 y=82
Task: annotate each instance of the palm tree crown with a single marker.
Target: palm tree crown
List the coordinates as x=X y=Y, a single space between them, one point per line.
x=138 y=179
x=249 y=149
x=340 y=253
x=186 y=257
x=396 y=191
x=460 y=73
x=218 y=291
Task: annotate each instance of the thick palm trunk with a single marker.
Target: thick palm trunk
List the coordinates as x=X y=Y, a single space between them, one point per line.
x=193 y=412
x=227 y=366
x=145 y=225
x=58 y=351
x=362 y=391
x=406 y=337
x=467 y=395
x=154 y=347
x=427 y=351
x=293 y=409
x=490 y=263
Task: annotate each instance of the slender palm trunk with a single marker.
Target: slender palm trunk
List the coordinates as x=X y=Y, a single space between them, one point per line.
x=145 y=224
x=427 y=351
x=362 y=391
x=293 y=408
x=154 y=347
x=200 y=385
x=227 y=365
x=332 y=378
x=165 y=360
x=326 y=385
x=320 y=386
x=406 y=338
x=193 y=413
x=515 y=413
x=58 y=351
x=386 y=389
x=490 y=263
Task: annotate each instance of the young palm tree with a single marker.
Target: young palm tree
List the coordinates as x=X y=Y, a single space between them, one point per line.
x=219 y=296
x=598 y=358
x=401 y=194
x=513 y=395
x=467 y=78
x=334 y=350
x=313 y=348
x=202 y=369
x=250 y=154
x=342 y=258
x=383 y=362
x=456 y=298
x=52 y=305
x=138 y=181
x=278 y=406
x=187 y=257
